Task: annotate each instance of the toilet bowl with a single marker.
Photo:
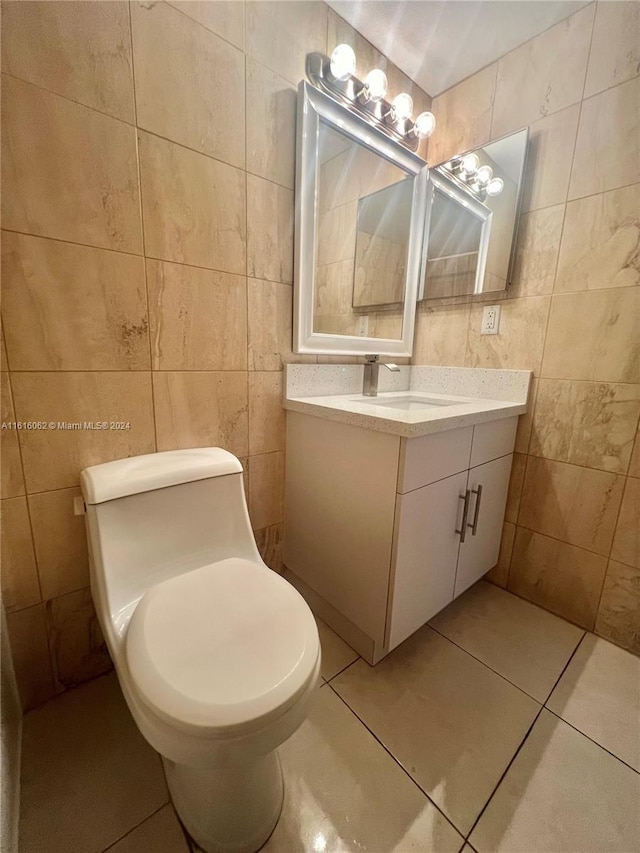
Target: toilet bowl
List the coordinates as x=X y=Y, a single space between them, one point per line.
x=217 y=655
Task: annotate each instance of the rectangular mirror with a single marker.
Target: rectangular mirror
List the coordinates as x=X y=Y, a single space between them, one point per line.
x=473 y=223
x=360 y=230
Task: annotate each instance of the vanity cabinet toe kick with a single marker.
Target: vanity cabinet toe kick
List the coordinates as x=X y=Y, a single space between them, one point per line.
x=382 y=532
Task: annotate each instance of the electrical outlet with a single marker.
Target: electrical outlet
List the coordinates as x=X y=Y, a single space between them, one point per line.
x=363 y=324
x=490 y=320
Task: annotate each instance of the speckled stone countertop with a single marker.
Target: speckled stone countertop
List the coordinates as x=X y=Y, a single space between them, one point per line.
x=473 y=396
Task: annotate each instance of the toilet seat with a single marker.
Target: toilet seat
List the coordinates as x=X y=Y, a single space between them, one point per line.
x=222 y=650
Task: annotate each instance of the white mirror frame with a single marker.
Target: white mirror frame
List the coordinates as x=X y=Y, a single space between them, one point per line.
x=474 y=206
x=314 y=105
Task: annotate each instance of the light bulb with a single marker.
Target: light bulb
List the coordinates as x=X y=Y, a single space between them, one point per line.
x=484 y=175
x=495 y=186
x=375 y=84
x=424 y=125
x=401 y=107
x=343 y=62
x=470 y=163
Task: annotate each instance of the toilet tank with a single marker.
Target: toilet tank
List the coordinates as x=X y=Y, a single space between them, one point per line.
x=156 y=516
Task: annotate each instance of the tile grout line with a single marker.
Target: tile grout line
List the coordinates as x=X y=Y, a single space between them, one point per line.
x=522 y=743
x=588 y=737
x=395 y=760
x=133 y=828
x=142 y=234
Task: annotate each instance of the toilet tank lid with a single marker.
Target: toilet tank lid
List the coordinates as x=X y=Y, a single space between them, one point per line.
x=137 y=474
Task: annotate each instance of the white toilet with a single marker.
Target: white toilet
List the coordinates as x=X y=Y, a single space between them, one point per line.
x=217 y=655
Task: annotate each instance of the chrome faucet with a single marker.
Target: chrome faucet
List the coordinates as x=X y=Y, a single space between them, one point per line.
x=370 y=377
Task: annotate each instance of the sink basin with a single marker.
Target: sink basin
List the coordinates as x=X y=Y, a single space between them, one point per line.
x=407 y=404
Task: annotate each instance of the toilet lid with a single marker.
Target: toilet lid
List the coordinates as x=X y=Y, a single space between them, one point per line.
x=222 y=648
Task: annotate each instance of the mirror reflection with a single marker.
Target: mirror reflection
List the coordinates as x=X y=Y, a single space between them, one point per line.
x=487 y=179
x=364 y=206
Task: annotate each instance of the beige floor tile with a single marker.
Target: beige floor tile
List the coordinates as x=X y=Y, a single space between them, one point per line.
x=450 y=721
x=562 y=793
x=160 y=833
x=336 y=654
x=599 y=694
x=225 y=19
x=69 y=172
x=187 y=79
x=79 y=50
x=344 y=793
x=604 y=160
x=88 y=776
x=521 y=642
x=615 y=49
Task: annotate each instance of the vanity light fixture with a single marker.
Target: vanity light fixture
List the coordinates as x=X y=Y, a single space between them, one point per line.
x=479 y=179
x=335 y=75
x=495 y=186
x=484 y=175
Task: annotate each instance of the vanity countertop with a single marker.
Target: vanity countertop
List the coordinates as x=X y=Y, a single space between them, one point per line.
x=412 y=404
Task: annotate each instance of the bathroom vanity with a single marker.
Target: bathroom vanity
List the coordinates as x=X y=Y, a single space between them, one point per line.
x=394 y=505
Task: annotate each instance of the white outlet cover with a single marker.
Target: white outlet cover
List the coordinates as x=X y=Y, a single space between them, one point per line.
x=363 y=324
x=490 y=320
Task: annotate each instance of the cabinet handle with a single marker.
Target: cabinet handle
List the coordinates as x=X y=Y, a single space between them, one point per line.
x=476 y=513
x=465 y=513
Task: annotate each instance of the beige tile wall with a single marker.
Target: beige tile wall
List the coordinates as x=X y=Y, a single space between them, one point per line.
x=572 y=536
x=147 y=260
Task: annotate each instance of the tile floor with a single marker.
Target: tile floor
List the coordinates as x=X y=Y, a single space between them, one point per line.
x=499 y=727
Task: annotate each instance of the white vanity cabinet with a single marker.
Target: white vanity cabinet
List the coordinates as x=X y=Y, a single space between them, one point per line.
x=373 y=521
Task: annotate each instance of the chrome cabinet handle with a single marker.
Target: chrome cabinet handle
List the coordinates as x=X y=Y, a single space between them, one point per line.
x=465 y=513
x=474 y=524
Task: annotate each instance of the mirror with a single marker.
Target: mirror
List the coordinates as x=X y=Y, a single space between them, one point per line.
x=472 y=233
x=360 y=228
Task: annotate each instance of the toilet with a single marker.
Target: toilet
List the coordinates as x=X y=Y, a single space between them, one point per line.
x=217 y=655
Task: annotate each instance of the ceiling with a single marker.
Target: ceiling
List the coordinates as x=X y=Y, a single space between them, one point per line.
x=440 y=42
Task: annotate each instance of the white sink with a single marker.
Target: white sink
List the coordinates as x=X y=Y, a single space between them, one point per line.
x=407 y=404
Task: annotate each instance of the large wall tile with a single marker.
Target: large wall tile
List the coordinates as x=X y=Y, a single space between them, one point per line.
x=557 y=576
x=463 y=116
x=525 y=422
x=79 y=50
x=270 y=307
x=594 y=335
x=271 y=125
x=516 y=481
x=601 y=242
x=174 y=56
x=606 y=153
x=60 y=541
x=543 y=75
x=266 y=490
x=520 y=340
x=270 y=219
x=634 y=464
x=549 y=156
x=577 y=505
x=537 y=249
x=30 y=653
x=198 y=318
x=266 y=414
x=200 y=409
x=626 y=543
x=441 y=335
x=224 y=17
x=53 y=458
x=499 y=574
x=194 y=207
x=70 y=307
x=69 y=172
x=12 y=482
x=20 y=586
x=270 y=541
x=586 y=423
x=619 y=613
x=281 y=34
x=78 y=649
x=615 y=49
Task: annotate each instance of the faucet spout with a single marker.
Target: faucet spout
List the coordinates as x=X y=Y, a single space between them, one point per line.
x=370 y=375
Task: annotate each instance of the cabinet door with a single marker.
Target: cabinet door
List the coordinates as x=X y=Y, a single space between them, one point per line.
x=479 y=551
x=425 y=554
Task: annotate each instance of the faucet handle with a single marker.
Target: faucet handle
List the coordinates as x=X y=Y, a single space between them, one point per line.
x=390 y=366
